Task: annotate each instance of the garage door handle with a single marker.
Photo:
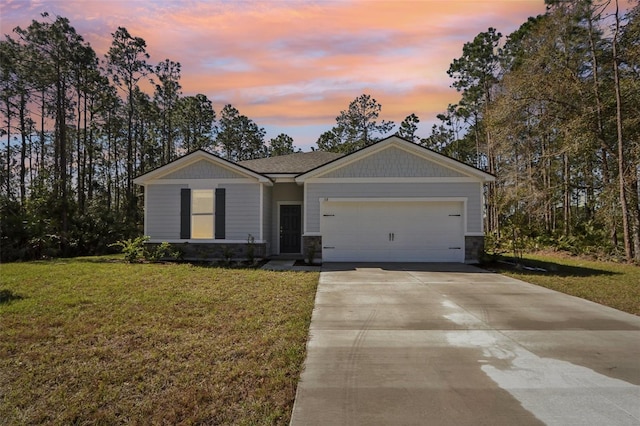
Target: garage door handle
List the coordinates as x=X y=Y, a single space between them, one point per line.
x=326 y=247
x=455 y=248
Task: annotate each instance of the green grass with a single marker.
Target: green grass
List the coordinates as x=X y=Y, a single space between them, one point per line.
x=97 y=341
x=612 y=284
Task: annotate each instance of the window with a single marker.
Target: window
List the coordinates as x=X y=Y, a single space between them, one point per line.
x=202 y=214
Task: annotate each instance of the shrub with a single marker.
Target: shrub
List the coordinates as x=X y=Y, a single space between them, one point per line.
x=133 y=249
x=163 y=251
x=227 y=255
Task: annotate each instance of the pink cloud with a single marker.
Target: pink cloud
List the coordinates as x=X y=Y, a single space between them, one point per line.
x=295 y=61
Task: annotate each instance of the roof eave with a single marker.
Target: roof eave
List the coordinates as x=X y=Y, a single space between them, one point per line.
x=451 y=162
x=193 y=157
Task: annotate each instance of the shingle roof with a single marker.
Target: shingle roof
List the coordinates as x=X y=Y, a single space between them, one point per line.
x=300 y=162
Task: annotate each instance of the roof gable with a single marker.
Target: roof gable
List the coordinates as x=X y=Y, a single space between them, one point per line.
x=200 y=165
x=299 y=162
x=395 y=157
x=204 y=169
x=391 y=162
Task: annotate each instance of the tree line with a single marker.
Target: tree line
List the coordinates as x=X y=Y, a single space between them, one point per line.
x=77 y=129
x=553 y=110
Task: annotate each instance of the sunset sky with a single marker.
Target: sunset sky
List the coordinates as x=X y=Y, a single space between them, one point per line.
x=292 y=66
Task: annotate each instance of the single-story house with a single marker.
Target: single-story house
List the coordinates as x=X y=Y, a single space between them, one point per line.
x=393 y=201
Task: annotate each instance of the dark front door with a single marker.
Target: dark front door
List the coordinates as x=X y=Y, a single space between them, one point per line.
x=290 y=228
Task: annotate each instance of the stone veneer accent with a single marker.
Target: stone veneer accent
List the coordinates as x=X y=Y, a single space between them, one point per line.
x=473 y=248
x=216 y=251
x=314 y=242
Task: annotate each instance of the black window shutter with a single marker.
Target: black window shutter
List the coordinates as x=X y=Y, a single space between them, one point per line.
x=185 y=213
x=220 y=213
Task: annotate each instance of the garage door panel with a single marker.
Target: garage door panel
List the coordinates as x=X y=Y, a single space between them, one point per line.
x=392 y=256
x=393 y=231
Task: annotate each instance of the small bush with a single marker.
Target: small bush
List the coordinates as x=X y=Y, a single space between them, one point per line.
x=133 y=249
x=227 y=255
x=163 y=251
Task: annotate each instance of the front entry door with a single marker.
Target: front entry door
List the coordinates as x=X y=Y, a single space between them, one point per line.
x=290 y=228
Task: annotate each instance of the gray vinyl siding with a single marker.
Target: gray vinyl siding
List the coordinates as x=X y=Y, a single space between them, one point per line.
x=203 y=169
x=163 y=211
x=243 y=211
x=267 y=217
x=471 y=190
x=392 y=162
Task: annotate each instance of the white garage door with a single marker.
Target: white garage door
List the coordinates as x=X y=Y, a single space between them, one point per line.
x=392 y=231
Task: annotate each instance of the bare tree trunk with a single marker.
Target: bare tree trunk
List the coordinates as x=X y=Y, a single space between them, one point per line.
x=8 y=182
x=90 y=176
x=624 y=206
x=83 y=163
x=608 y=183
x=546 y=186
x=596 y=91
x=32 y=159
x=23 y=151
x=79 y=150
x=109 y=159
x=89 y=148
x=566 y=204
x=62 y=151
x=42 y=135
x=129 y=197
x=491 y=161
x=635 y=214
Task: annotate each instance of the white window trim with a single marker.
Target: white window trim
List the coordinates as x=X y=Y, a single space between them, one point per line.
x=212 y=214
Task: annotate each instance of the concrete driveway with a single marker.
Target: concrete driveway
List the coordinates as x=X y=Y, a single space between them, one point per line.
x=449 y=344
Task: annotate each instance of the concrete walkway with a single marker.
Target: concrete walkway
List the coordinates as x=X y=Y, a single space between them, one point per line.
x=448 y=344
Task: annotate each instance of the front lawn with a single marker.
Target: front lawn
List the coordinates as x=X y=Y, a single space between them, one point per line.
x=612 y=284
x=98 y=341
